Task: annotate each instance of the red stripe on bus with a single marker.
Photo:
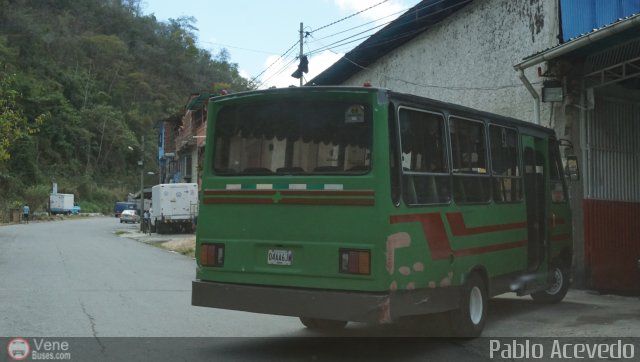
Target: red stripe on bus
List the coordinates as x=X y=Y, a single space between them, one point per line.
x=327 y=193
x=240 y=192
x=438 y=241
x=335 y=202
x=458 y=227
x=291 y=192
x=237 y=200
x=434 y=232
x=490 y=248
x=289 y=201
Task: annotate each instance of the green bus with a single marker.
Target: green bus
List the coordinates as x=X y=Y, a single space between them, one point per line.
x=337 y=204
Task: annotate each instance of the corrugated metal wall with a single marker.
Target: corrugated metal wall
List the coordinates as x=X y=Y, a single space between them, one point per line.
x=612 y=197
x=613 y=143
x=583 y=16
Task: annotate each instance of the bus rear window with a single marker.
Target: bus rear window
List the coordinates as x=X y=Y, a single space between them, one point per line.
x=293 y=137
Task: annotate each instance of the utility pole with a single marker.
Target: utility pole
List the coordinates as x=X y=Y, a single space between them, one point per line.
x=301 y=51
x=141 y=180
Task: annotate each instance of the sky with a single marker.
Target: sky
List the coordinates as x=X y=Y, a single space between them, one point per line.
x=256 y=33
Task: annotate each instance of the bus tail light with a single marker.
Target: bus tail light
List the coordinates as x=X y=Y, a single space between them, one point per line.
x=212 y=254
x=355 y=261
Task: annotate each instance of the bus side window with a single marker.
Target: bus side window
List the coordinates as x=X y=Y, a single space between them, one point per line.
x=558 y=186
x=505 y=165
x=470 y=177
x=425 y=171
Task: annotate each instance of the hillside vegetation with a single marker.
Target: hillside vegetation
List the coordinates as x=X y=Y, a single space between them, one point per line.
x=80 y=82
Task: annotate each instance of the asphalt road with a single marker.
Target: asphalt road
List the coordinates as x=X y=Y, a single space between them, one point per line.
x=77 y=278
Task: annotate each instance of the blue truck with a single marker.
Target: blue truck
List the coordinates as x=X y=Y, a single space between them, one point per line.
x=123 y=205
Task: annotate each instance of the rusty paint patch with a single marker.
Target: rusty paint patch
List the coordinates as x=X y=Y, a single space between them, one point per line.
x=384 y=311
x=394 y=286
x=446 y=281
x=404 y=270
x=418 y=267
x=396 y=241
x=432 y=284
x=411 y=286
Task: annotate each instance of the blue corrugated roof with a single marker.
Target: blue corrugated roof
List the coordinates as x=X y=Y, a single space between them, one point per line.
x=622 y=31
x=581 y=17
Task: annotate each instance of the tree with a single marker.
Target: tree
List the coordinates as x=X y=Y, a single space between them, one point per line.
x=13 y=124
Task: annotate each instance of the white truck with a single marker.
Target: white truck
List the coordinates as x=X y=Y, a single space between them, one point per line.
x=173 y=207
x=62 y=204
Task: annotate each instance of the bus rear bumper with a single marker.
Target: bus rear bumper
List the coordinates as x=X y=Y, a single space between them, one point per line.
x=325 y=304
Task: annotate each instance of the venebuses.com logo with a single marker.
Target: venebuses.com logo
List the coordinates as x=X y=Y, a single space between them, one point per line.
x=18 y=349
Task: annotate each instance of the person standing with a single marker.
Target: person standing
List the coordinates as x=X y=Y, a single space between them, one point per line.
x=146 y=219
x=25 y=213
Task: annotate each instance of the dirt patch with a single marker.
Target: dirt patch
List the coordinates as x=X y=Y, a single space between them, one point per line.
x=184 y=246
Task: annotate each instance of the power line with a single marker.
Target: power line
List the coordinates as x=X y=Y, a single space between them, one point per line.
x=365 y=24
x=348 y=17
x=312 y=31
x=277 y=73
x=283 y=56
x=307 y=33
x=343 y=42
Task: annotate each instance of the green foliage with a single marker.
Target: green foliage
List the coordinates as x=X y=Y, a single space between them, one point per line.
x=37 y=197
x=81 y=80
x=92 y=207
x=14 y=126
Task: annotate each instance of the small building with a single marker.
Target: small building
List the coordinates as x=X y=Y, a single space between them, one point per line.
x=182 y=141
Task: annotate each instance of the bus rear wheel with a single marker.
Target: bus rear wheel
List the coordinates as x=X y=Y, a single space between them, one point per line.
x=558 y=286
x=469 y=319
x=317 y=324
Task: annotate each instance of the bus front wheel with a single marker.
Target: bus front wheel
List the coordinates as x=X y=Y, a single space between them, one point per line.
x=322 y=324
x=469 y=319
x=559 y=281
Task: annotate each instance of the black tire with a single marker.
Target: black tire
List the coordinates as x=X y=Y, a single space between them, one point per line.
x=559 y=282
x=469 y=319
x=317 y=324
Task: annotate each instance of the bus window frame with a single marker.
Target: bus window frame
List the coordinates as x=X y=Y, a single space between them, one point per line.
x=556 y=156
x=446 y=149
x=520 y=166
x=231 y=172
x=487 y=174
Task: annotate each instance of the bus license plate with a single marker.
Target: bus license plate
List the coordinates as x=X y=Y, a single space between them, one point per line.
x=279 y=257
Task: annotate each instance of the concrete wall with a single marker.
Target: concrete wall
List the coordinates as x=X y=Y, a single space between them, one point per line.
x=468 y=58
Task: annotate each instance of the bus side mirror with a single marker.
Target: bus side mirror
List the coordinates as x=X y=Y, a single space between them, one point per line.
x=572 y=170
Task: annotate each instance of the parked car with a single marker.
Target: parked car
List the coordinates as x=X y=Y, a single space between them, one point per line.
x=129 y=216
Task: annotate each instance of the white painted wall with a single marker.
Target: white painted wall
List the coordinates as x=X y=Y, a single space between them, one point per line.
x=468 y=58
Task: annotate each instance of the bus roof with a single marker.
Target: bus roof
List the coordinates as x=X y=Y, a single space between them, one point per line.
x=527 y=127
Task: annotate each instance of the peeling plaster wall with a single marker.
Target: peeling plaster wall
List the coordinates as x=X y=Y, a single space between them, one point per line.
x=468 y=58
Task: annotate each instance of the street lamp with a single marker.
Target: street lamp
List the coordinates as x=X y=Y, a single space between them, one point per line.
x=141 y=164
